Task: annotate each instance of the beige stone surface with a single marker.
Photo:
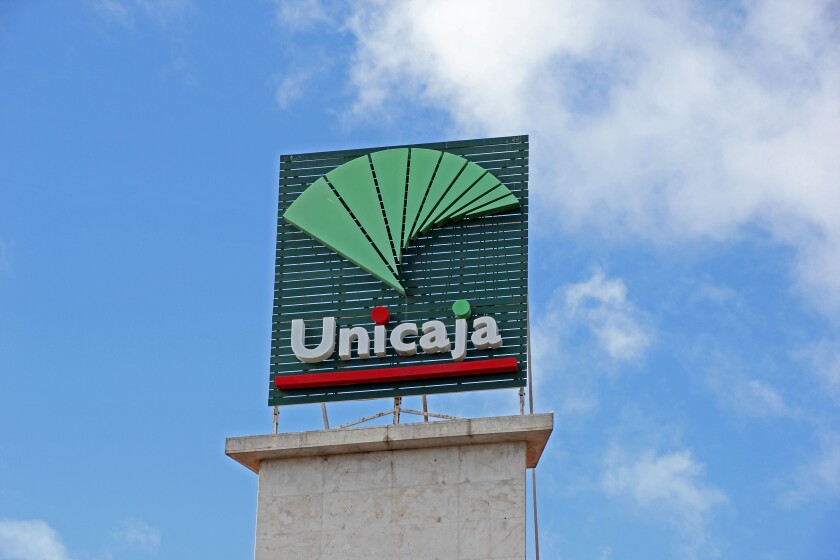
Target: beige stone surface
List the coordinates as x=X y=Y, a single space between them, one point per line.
x=533 y=429
x=463 y=501
x=459 y=502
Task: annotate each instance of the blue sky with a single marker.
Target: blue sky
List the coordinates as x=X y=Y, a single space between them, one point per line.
x=685 y=257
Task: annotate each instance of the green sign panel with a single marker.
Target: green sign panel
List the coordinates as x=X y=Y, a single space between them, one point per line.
x=401 y=271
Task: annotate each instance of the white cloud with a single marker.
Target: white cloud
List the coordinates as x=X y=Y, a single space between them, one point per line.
x=301 y=14
x=669 y=487
x=586 y=327
x=29 y=540
x=577 y=403
x=114 y=10
x=139 y=535
x=746 y=395
x=764 y=397
x=601 y=305
x=291 y=88
x=824 y=358
x=305 y=62
x=719 y=295
x=36 y=540
x=124 y=12
x=742 y=382
x=662 y=120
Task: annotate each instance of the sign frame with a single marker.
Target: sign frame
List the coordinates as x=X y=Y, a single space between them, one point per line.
x=483 y=261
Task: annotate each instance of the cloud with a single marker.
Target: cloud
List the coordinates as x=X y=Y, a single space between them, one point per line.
x=292 y=88
x=601 y=305
x=719 y=295
x=820 y=478
x=36 y=540
x=734 y=389
x=741 y=379
x=302 y=14
x=138 y=535
x=29 y=540
x=669 y=487
x=306 y=64
x=824 y=359
x=763 y=397
x=124 y=12
x=166 y=15
x=588 y=326
x=660 y=120
x=114 y=10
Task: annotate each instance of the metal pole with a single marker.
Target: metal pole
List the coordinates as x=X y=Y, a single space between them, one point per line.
x=425 y=410
x=531 y=410
x=528 y=352
x=521 y=401
x=276 y=418
x=324 y=414
x=397 y=403
x=536 y=523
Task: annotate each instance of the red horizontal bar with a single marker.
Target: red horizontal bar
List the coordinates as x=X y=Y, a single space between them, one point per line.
x=388 y=375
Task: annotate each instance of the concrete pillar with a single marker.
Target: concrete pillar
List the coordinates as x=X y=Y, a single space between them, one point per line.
x=437 y=490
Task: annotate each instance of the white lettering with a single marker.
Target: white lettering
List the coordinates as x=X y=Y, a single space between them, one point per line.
x=320 y=352
x=345 y=342
x=379 y=341
x=397 y=339
x=435 y=339
x=460 y=351
x=486 y=334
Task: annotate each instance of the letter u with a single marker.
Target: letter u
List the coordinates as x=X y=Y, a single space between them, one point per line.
x=321 y=352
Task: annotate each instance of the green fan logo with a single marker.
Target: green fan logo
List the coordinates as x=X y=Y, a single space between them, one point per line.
x=369 y=209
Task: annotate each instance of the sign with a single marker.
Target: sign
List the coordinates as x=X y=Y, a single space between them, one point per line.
x=401 y=271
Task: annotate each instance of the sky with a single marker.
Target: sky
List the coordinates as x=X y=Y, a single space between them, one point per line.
x=684 y=272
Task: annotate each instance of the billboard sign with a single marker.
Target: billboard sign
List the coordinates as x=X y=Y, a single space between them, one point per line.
x=401 y=271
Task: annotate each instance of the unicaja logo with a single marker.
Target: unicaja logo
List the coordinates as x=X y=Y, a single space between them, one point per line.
x=369 y=209
x=432 y=336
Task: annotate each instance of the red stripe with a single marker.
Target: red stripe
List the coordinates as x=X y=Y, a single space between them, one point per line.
x=388 y=375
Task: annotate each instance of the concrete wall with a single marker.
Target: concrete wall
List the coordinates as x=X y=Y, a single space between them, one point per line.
x=456 y=502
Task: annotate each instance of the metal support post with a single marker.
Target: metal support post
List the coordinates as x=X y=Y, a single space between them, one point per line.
x=397 y=404
x=276 y=418
x=536 y=522
x=531 y=410
x=425 y=410
x=324 y=414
